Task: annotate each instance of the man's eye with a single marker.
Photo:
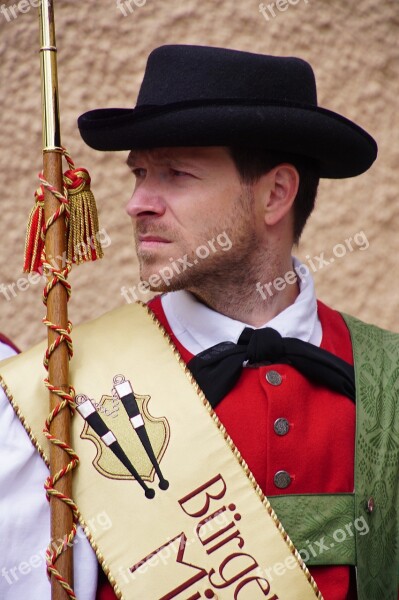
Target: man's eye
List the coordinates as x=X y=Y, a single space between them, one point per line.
x=139 y=173
x=177 y=173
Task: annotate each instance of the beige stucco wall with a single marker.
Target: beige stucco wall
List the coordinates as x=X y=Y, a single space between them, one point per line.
x=353 y=47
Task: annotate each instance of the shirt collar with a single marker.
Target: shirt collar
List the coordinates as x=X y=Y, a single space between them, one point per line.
x=198 y=327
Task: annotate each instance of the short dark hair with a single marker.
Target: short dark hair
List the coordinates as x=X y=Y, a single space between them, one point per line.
x=251 y=163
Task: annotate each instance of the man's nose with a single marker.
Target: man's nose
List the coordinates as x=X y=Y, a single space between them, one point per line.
x=145 y=201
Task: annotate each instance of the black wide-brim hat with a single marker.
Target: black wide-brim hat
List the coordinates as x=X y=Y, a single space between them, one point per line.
x=205 y=96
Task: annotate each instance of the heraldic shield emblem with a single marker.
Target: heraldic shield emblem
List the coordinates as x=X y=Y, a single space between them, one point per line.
x=130 y=442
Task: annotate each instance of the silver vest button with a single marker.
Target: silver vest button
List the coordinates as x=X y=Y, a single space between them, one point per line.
x=273 y=377
x=282 y=479
x=281 y=426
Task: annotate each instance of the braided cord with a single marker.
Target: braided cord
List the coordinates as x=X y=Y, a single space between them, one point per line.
x=59 y=276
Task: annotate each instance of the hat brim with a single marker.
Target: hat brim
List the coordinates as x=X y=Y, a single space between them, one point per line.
x=342 y=148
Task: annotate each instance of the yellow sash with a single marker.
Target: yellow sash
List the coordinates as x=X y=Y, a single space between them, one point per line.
x=212 y=533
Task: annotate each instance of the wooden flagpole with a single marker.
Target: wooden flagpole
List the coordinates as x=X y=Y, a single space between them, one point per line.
x=57 y=314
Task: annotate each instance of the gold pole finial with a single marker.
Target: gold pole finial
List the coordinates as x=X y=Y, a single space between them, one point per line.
x=49 y=78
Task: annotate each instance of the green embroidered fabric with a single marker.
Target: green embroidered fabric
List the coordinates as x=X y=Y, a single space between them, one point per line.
x=360 y=529
x=321 y=526
x=376 y=356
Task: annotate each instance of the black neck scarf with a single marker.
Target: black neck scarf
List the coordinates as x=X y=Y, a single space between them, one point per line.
x=218 y=368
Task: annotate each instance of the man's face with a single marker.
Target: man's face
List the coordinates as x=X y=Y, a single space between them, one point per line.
x=193 y=219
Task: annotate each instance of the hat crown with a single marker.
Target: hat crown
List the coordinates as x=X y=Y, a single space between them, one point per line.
x=180 y=73
x=206 y=96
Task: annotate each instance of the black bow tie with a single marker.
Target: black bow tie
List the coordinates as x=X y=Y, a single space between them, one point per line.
x=218 y=368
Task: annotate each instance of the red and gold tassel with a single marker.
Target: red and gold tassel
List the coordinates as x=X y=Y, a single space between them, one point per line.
x=34 y=241
x=83 y=243
x=82 y=224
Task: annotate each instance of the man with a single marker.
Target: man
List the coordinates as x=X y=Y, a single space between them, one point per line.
x=212 y=140
x=227 y=149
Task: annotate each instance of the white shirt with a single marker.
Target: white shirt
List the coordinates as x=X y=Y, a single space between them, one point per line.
x=25 y=517
x=198 y=327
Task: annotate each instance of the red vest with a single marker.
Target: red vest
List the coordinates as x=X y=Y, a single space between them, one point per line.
x=317 y=451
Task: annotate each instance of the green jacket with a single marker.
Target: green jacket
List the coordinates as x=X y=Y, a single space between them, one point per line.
x=362 y=528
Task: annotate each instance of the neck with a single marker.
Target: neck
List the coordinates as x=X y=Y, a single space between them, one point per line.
x=252 y=300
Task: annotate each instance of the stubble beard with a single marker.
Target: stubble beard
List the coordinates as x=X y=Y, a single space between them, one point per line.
x=226 y=278
x=221 y=266
x=228 y=282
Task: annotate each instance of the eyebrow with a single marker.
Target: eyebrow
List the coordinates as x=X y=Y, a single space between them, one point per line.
x=133 y=158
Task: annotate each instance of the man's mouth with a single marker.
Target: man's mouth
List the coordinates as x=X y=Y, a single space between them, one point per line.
x=149 y=240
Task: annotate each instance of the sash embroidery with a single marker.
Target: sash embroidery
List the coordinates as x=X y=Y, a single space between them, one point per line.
x=139 y=446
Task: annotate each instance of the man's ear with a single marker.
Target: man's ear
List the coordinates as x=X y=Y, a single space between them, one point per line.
x=282 y=184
